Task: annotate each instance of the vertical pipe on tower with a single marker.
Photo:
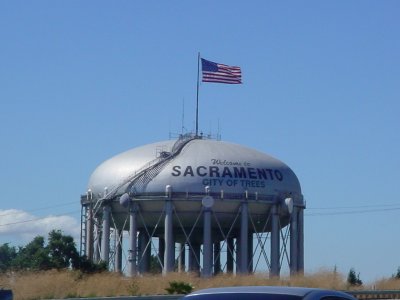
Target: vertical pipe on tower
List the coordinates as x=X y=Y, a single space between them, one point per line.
x=89 y=235
x=293 y=264
x=294 y=242
x=207 y=244
x=97 y=241
x=169 y=254
x=238 y=254
x=250 y=253
x=105 y=240
x=132 y=259
x=244 y=232
x=275 y=242
x=89 y=227
x=301 y=241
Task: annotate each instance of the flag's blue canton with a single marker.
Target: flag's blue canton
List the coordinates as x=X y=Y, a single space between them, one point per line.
x=209 y=66
x=220 y=73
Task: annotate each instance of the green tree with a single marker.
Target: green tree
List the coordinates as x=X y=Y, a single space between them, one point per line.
x=33 y=256
x=353 y=279
x=59 y=253
x=7 y=255
x=62 y=250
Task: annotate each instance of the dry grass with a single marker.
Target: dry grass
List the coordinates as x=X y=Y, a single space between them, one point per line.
x=387 y=284
x=70 y=284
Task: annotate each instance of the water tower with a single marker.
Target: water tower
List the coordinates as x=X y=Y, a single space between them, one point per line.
x=194 y=204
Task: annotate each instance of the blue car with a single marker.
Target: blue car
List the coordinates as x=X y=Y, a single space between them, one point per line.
x=6 y=294
x=267 y=293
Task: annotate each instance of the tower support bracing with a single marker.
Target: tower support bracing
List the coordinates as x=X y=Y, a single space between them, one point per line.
x=118 y=250
x=144 y=252
x=194 y=257
x=217 y=257
x=181 y=257
x=230 y=247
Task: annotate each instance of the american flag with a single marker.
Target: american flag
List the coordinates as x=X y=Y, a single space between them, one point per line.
x=214 y=72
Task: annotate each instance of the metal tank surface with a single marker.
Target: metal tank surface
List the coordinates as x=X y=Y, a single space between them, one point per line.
x=196 y=198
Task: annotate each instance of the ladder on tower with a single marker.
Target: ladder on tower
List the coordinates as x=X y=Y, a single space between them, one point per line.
x=84 y=209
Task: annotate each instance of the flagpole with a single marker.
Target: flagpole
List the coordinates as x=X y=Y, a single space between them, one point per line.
x=197 y=97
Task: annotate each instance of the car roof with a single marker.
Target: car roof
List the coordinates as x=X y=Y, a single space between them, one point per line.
x=284 y=290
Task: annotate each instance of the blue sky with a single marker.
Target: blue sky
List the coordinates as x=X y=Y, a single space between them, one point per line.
x=81 y=81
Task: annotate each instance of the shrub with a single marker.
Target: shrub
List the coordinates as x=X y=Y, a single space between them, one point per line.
x=397 y=275
x=179 y=287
